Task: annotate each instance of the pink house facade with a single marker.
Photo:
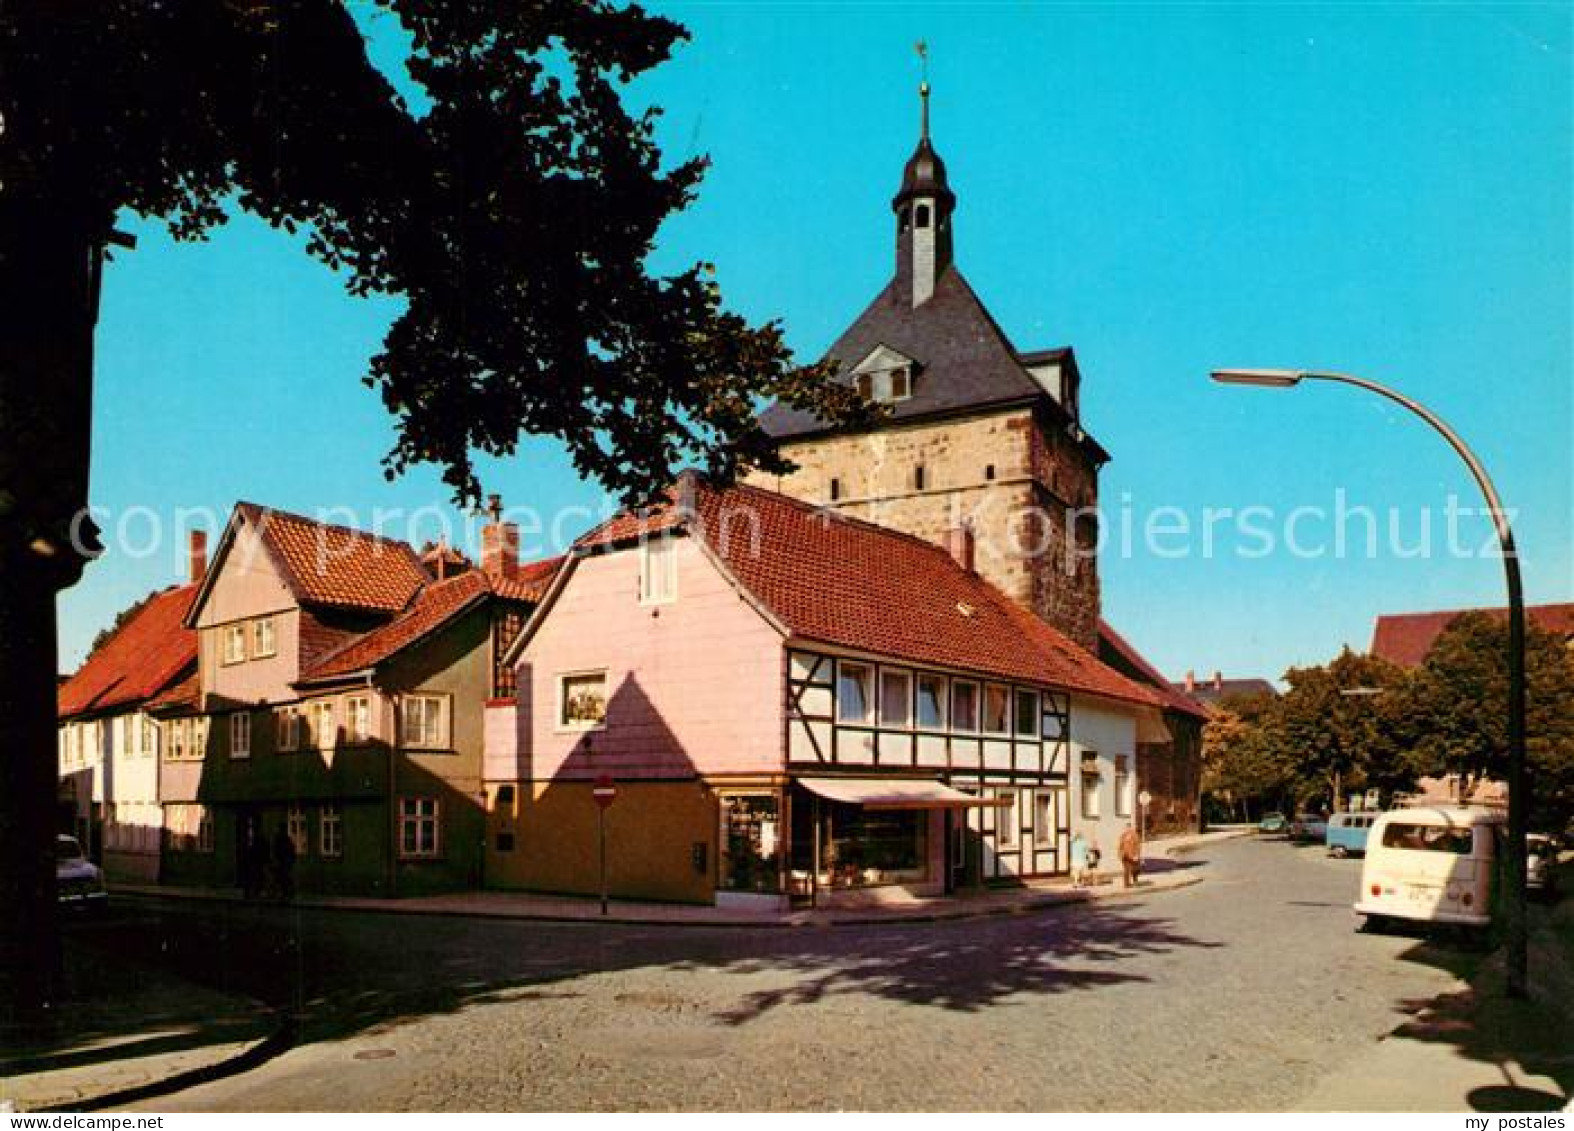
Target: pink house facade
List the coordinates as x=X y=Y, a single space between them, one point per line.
x=796 y=706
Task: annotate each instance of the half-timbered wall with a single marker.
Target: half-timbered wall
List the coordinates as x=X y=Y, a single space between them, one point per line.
x=1027 y=760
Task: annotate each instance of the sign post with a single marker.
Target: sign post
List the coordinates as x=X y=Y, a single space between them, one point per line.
x=605 y=791
x=1144 y=799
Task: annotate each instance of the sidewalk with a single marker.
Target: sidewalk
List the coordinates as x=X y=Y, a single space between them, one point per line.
x=123 y=1027
x=1473 y=1049
x=1162 y=871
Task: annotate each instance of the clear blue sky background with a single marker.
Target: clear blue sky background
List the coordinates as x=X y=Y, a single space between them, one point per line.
x=1382 y=190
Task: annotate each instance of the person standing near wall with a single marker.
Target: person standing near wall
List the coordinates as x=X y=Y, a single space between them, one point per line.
x=1130 y=856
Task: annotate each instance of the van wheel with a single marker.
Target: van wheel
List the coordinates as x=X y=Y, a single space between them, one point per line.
x=1338 y=852
x=1375 y=925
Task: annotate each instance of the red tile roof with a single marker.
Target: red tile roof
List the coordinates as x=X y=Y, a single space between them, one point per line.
x=439 y=603
x=145 y=656
x=834 y=580
x=334 y=565
x=1126 y=652
x=1405 y=638
x=179 y=698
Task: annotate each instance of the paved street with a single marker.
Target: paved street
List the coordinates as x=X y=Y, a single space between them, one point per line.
x=1246 y=991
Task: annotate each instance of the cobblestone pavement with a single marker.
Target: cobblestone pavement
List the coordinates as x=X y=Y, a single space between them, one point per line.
x=1240 y=993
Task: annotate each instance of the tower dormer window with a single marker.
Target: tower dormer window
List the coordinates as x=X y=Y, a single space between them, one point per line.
x=900 y=389
x=921 y=216
x=865 y=385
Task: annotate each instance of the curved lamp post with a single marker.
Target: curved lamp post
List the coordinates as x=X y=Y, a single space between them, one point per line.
x=1518 y=799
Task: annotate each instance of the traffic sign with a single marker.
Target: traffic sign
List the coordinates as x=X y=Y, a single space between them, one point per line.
x=1146 y=798
x=604 y=791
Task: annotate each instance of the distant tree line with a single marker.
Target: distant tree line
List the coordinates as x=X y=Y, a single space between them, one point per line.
x=1360 y=722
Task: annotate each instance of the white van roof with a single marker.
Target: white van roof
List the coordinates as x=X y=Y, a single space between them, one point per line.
x=1453 y=816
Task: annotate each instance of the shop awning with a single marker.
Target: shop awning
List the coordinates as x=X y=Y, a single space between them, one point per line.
x=896 y=793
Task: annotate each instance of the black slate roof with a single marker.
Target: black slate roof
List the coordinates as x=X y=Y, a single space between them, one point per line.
x=964 y=359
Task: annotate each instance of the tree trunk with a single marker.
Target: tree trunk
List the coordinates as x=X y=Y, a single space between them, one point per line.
x=49 y=268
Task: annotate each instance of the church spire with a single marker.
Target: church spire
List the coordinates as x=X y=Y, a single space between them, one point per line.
x=923 y=207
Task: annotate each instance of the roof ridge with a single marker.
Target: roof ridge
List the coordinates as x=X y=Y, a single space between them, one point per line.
x=353 y=531
x=839 y=516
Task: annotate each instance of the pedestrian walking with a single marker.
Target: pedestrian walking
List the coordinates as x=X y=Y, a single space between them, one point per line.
x=1130 y=856
x=284 y=864
x=1079 y=860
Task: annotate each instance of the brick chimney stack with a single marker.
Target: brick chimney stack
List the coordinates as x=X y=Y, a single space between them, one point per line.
x=197 y=556
x=962 y=545
x=499 y=543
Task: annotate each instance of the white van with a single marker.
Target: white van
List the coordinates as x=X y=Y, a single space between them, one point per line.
x=1431 y=864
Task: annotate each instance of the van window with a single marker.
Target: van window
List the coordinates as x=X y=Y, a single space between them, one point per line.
x=1428 y=838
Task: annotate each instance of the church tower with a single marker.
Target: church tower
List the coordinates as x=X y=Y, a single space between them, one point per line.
x=982 y=447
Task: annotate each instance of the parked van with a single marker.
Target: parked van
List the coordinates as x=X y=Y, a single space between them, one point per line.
x=1347 y=833
x=1435 y=865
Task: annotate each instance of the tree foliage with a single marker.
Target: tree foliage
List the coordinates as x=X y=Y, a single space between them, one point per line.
x=120 y=620
x=1449 y=715
x=515 y=215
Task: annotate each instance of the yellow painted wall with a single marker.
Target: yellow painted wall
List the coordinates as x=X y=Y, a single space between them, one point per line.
x=652 y=828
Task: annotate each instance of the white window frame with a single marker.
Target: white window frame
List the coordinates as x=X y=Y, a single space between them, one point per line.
x=1090 y=786
x=658 y=571
x=1123 y=791
x=426 y=740
x=357 y=719
x=287 y=729
x=1043 y=806
x=240 y=734
x=1008 y=835
x=870 y=691
x=942 y=699
x=906 y=678
x=983 y=709
x=330 y=831
x=231 y=634
x=563 y=723
x=295 y=828
x=324 y=723
x=415 y=813
x=978 y=707
x=258 y=649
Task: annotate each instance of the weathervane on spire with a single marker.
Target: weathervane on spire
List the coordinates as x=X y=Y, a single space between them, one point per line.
x=923 y=86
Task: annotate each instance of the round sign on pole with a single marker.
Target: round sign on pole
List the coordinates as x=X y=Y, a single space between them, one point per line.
x=1146 y=798
x=604 y=791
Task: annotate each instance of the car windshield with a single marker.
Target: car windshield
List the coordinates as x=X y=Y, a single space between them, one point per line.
x=67 y=849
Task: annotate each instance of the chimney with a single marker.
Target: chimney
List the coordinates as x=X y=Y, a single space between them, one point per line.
x=197 y=555
x=499 y=544
x=1191 y=681
x=960 y=543
x=1218 y=681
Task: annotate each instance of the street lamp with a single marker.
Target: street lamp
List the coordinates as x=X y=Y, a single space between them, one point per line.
x=1518 y=799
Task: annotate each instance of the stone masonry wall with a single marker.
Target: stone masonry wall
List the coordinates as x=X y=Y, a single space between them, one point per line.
x=998 y=472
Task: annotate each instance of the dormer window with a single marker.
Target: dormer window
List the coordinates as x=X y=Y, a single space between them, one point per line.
x=921 y=216
x=885 y=376
x=865 y=382
x=900 y=389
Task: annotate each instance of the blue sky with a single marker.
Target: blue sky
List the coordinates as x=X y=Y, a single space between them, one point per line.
x=1380 y=190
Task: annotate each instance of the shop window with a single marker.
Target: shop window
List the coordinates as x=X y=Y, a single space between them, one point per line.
x=750 y=839
x=868 y=848
x=931 y=702
x=997 y=703
x=896 y=698
x=964 y=705
x=854 y=701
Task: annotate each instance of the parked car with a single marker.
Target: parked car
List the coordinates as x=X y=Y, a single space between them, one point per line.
x=1273 y=823
x=79 y=883
x=1347 y=833
x=1309 y=826
x=1541 y=865
x=1434 y=865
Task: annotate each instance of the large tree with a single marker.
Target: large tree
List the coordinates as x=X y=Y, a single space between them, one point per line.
x=514 y=214
x=1458 y=705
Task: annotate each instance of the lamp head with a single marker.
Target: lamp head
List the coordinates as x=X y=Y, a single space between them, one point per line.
x=1262 y=378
